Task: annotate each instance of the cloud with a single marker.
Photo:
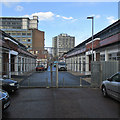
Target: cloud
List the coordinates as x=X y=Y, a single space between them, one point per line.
x=19 y=8
x=49 y=16
x=42 y=15
x=66 y=18
x=97 y=16
x=111 y=19
x=9 y=3
x=57 y=15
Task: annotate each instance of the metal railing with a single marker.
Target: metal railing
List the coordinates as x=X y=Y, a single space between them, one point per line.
x=52 y=77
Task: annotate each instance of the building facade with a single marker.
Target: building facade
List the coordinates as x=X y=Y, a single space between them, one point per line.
x=14 y=57
x=106 y=47
x=62 y=43
x=25 y=31
x=20 y=28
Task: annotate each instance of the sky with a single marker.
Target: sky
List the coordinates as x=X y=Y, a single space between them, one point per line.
x=65 y=17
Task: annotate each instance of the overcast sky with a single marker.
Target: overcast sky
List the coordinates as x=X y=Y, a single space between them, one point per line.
x=65 y=17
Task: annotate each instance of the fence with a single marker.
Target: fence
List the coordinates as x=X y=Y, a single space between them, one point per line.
x=100 y=71
x=73 y=77
x=80 y=70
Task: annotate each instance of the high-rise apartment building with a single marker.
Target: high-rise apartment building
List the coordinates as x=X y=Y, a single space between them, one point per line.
x=62 y=43
x=24 y=30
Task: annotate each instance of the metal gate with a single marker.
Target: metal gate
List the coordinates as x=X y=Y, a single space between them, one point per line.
x=100 y=71
x=53 y=78
x=22 y=68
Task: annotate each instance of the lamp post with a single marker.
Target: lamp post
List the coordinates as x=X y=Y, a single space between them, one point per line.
x=92 y=33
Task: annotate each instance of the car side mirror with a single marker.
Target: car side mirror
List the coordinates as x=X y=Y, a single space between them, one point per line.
x=109 y=79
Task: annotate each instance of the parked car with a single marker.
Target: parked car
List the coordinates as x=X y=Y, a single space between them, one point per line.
x=111 y=86
x=45 y=66
x=9 y=85
x=40 y=68
x=62 y=66
x=4 y=99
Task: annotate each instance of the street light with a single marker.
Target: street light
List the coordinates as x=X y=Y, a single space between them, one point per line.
x=92 y=33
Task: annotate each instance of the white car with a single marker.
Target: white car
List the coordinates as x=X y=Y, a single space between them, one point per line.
x=111 y=86
x=62 y=66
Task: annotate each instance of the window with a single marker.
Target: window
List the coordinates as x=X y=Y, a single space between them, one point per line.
x=116 y=78
x=28 y=33
x=13 y=33
x=102 y=57
x=110 y=56
x=23 y=33
x=18 y=33
x=113 y=56
x=24 y=40
x=29 y=40
x=18 y=27
x=13 y=23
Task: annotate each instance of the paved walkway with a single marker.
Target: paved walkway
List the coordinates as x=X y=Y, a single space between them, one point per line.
x=85 y=76
x=20 y=78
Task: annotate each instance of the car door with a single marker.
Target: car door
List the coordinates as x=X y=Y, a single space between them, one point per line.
x=114 y=85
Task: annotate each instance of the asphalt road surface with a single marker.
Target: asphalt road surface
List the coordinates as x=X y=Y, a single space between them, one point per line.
x=61 y=103
x=46 y=78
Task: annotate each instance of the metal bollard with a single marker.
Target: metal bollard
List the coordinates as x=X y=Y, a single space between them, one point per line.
x=47 y=86
x=80 y=81
x=56 y=75
x=51 y=75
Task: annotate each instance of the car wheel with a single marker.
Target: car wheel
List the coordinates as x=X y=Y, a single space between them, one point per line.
x=104 y=92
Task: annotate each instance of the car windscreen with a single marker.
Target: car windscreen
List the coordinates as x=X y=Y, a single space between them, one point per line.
x=62 y=63
x=40 y=66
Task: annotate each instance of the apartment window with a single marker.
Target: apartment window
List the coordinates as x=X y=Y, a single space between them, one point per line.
x=18 y=33
x=29 y=40
x=13 y=33
x=18 y=27
x=13 y=27
x=23 y=33
x=28 y=33
x=24 y=40
x=8 y=23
